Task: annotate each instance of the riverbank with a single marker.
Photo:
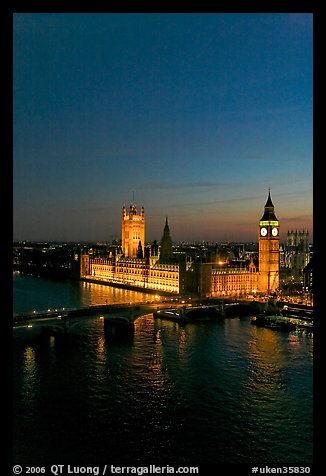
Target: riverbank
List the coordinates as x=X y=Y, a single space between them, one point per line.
x=130 y=287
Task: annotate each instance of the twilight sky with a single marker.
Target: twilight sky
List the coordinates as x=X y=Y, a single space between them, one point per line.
x=196 y=115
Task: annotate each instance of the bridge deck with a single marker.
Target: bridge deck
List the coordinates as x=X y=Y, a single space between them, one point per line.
x=132 y=310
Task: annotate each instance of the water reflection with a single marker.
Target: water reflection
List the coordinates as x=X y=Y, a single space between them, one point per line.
x=224 y=391
x=274 y=382
x=31 y=293
x=266 y=360
x=154 y=370
x=182 y=341
x=29 y=380
x=100 y=348
x=95 y=294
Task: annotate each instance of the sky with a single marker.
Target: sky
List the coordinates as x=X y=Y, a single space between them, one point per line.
x=193 y=115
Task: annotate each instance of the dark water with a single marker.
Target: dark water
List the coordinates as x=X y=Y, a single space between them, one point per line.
x=216 y=392
x=40 y=294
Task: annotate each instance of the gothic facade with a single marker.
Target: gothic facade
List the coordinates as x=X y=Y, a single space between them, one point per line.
x=157 y=268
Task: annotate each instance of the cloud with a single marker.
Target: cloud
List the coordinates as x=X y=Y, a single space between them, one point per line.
x=295 y=195
x=298 y=218
x=174 y=186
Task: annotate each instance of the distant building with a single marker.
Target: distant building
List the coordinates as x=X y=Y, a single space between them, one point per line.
x=308 y=277
x=296 y=253
x=158 y=267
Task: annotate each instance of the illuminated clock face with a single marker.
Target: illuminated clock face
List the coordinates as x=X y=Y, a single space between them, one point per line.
x=263 y=231
x=274 y=231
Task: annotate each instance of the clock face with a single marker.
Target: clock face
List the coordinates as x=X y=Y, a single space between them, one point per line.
x=274 y=231
x=263 y=231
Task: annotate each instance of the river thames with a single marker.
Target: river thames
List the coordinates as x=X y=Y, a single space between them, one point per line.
x=221 y=391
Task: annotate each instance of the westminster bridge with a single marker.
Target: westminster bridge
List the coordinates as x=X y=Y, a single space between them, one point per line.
x=120 y=318
x=63 y=320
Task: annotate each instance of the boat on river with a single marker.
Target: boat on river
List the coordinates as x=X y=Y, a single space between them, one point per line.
x=190 y=314
x=275 y=322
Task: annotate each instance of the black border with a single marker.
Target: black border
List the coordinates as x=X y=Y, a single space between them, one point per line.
x=7 y=9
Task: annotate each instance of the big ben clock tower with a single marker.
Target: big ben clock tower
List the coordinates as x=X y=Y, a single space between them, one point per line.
x=268 y=239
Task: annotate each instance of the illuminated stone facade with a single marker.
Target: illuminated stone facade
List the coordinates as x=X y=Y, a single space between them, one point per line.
x=131 y=267
x=135 y=272
x=135 y=268
x=234 y=281
x=133 y=231
x=269 y=254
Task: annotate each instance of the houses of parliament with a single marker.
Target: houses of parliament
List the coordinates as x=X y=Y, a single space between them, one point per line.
x=157 y=267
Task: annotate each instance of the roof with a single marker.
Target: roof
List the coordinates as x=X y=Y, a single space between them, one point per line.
x=269 y=210
x=269 y=202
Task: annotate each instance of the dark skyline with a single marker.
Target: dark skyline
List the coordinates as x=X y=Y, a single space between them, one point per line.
x=193 y=115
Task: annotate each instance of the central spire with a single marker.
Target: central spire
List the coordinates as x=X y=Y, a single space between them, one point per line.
x=166 y=252
x=269 y=209
x=269 y=202
x=166 y=228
